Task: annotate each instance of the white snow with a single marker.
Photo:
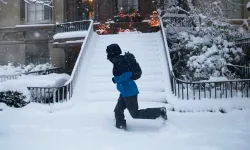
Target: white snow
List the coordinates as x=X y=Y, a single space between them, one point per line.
x=76 y=41
x=87 y=120
x=34 y=25
x=21 y=84
x=75 y=34
x=10 y=69
x=129 y=32
x=248 y=5
x=91 y=126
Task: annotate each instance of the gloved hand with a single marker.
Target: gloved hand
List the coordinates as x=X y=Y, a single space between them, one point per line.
x=113 y=79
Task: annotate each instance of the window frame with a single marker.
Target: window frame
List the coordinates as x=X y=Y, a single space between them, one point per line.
x=37 y=21
x=128 y=6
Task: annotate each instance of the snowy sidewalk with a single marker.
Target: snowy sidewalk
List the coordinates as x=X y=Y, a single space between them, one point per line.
x=90 y=126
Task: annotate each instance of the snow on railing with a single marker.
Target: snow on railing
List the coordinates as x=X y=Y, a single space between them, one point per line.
x=65 y=92
x=9 y=77
x=206 y=89
x=178 y=20
x=242 y=71
x=243 y=42
x=40 y=72
x=73 y=26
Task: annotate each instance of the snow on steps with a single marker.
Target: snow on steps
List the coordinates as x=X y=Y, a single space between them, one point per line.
x=96 y=83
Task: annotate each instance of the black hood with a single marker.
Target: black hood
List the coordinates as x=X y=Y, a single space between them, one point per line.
x=113 y=50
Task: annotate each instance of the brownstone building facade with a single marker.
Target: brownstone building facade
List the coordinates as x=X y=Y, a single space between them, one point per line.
x=27 y=30
x=102 y=10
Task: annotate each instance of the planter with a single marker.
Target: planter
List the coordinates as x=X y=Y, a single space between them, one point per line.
x=137 y=19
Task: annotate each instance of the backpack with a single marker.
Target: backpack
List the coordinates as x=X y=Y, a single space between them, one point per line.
x=133 y=65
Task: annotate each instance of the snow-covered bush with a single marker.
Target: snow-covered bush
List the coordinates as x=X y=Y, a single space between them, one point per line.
x=19 y=69
x=205 y=49
x=13 y=99
x=205 y=57
x=16 y=93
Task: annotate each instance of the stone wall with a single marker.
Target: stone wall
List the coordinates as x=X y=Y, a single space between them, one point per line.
x=10 y=13
x=26 y=45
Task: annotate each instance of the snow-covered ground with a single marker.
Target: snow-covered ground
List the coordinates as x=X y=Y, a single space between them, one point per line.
x=91 y=126
x=10 y=69
x=80 y=124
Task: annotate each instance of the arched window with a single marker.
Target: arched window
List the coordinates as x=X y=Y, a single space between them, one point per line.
x=128 y=6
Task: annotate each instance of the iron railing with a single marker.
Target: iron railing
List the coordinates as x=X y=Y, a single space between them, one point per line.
x=210 y=89
x=205 y=89
x=45 y=72
x=243 y=42
x=242 y=72
x=9 y=77
x=73 y=26
x=178 y=20
x=48 y=95
x=40 y=72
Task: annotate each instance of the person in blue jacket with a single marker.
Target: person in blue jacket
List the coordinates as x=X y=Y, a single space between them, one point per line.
x=128 y=91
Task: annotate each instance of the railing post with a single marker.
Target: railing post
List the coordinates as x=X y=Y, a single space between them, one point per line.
x=194 y=90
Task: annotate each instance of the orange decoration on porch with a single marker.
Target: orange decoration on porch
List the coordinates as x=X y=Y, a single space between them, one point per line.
x=102 y=29
x=155 y=20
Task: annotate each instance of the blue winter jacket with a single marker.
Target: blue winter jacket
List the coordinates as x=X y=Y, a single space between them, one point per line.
x=125 y=85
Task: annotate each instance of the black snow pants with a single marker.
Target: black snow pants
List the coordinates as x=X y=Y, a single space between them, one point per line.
x=131 y=103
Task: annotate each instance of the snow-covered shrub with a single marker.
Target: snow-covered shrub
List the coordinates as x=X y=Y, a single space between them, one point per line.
x=13 y=99
x=204 y=50
x=12 y=69
x=22 y=93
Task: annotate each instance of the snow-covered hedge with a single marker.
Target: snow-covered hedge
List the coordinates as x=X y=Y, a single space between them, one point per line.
x=205 y=49
x=13 y=99
x=201 y=57
x=16 y=91
x=10 y=69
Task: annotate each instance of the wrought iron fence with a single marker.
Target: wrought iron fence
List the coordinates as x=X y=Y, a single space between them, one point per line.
x=244 y=43
x=207 y=89
x=73 y=26
x=40 y=72
x=9 y=77
x=47 y=71
x=48 y=95
x=178 y=20
x=210 y=89
x=242 y=72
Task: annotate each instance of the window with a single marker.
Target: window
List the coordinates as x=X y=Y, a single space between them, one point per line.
x=38 y=13
x=127 y=6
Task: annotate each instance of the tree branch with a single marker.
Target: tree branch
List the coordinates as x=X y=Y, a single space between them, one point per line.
x=5 y=2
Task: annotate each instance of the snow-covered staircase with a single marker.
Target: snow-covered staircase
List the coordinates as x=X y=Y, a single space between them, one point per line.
x=95 y=84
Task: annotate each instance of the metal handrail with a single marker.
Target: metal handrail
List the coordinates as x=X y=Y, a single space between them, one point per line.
x=225 y=88
x=63 y=93
x=77 y=26
x=9 y=77
x=76 y=67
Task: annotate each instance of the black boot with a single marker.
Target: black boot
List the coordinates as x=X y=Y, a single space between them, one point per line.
x=120 y=125
x=164 y=113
